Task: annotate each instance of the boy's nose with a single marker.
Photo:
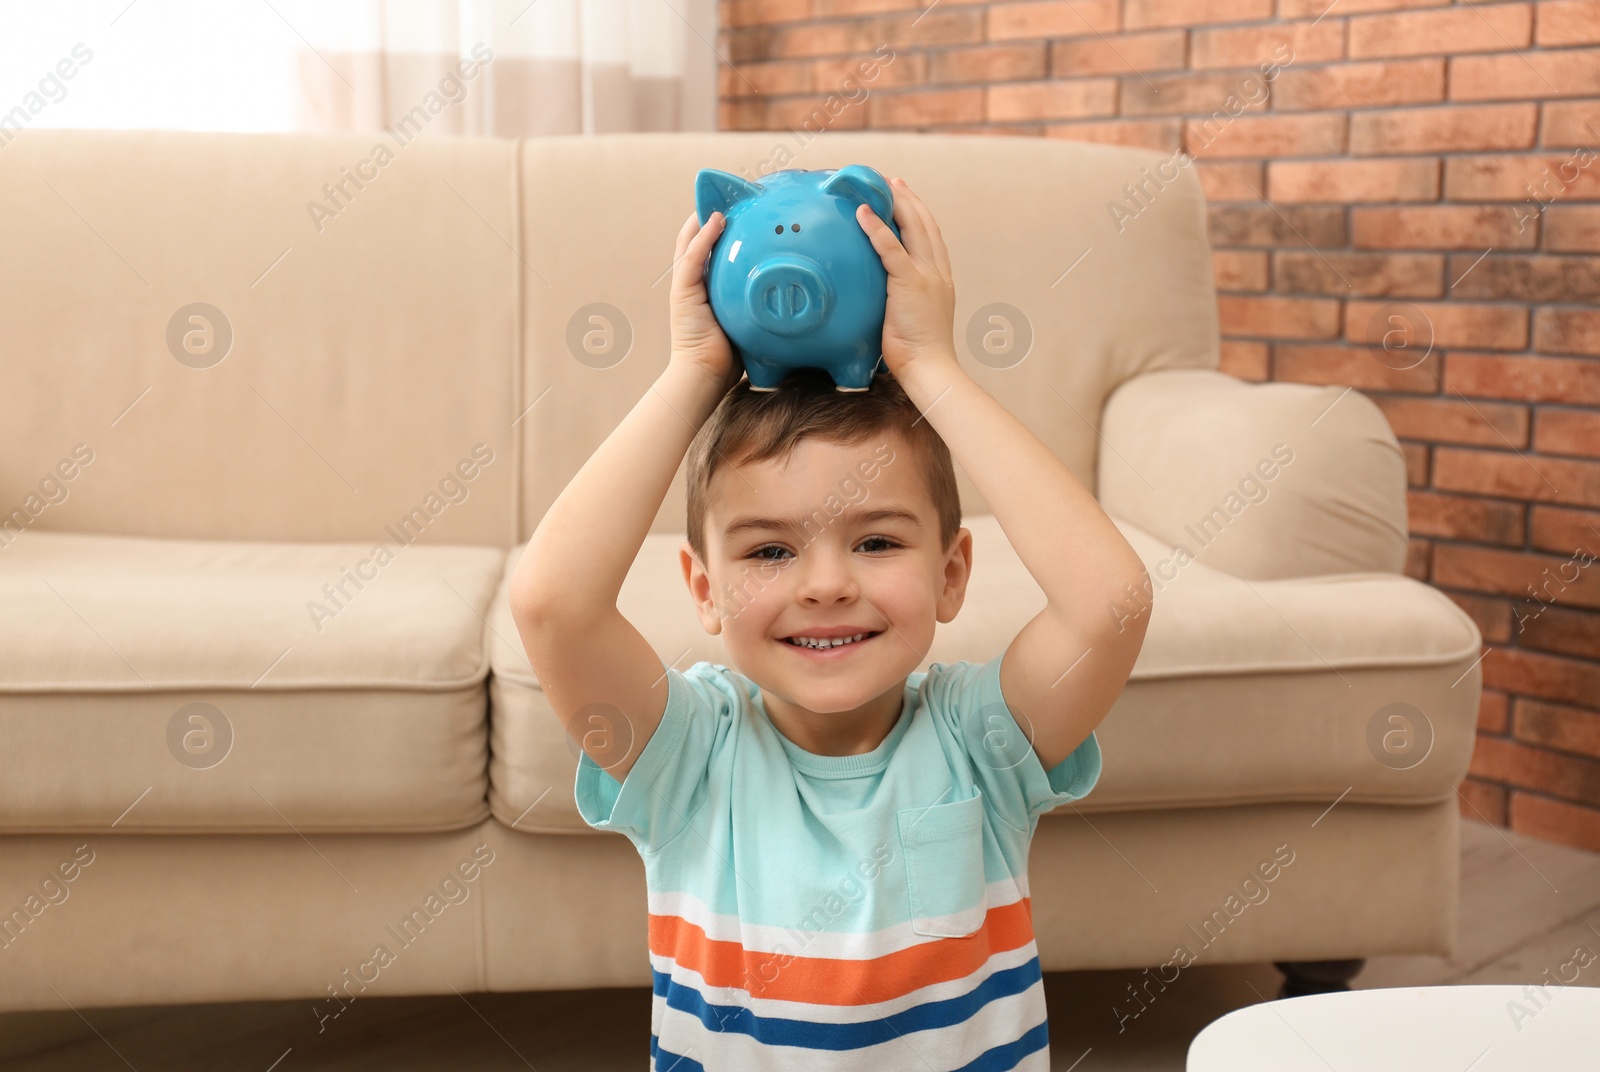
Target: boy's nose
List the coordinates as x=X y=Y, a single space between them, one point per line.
x=825 y=575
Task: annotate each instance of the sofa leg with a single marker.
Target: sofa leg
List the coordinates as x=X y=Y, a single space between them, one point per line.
x=1301 y=977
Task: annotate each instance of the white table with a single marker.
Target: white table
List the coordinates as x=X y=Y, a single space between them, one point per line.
x=1409 y=1029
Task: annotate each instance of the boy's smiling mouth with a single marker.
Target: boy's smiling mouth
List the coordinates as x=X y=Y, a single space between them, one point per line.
x=828 y=641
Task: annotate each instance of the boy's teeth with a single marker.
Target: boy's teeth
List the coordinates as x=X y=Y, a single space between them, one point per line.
x=837 y=642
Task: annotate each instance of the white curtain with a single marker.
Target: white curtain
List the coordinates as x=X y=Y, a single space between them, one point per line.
x=510 y=68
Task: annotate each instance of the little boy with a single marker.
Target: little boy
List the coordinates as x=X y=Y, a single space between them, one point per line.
x=835 y=845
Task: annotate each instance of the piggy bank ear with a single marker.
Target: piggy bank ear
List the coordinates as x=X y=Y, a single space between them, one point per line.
x=861 y=185
x=718 y=191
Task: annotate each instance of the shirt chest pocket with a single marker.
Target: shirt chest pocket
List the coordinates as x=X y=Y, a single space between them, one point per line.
x=943 y=848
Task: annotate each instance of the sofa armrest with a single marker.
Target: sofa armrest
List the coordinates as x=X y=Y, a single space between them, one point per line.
x=1259 y=480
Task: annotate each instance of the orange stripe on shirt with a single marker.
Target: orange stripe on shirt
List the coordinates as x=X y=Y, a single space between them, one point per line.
x=839 y=981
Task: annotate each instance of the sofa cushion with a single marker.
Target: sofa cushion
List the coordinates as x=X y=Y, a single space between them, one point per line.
x=222 y=363
x=208 y=686
x=1244 y=692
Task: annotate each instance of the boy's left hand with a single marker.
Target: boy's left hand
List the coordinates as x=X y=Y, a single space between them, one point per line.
x=919 y=319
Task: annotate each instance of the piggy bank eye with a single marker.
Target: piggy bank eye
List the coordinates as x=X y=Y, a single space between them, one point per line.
x=778 y=229
x=794 y=227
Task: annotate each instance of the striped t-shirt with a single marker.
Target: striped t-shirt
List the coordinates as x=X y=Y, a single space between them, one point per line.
x=833 y=913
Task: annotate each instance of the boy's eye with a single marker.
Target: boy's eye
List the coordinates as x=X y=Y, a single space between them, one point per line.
x=883 y=544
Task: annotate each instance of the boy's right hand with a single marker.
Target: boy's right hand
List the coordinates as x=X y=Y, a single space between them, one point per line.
x=697 y=338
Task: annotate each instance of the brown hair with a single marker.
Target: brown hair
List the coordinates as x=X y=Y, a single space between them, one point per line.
x=754 y=426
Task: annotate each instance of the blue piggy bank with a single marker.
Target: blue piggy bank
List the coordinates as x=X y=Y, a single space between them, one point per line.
x=793 y=279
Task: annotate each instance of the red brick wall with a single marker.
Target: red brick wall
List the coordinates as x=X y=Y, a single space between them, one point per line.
x=1410 y=171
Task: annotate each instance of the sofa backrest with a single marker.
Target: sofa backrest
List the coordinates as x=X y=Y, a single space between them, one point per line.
x=1027 y=222
x=406 y=316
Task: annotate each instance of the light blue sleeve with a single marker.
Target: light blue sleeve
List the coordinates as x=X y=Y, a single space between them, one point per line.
x=1004 y=763
x=666 y=785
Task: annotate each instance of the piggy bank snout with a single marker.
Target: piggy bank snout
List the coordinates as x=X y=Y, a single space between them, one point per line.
x=789 y=295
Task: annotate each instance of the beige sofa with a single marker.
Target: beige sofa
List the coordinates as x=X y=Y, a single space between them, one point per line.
x=268 y=730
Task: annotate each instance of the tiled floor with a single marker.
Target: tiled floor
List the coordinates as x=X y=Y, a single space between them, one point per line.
x=1526 y=905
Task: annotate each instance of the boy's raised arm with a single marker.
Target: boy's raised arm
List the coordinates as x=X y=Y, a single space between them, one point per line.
x=1069 y=663
x=588 y=658
x=579 y=556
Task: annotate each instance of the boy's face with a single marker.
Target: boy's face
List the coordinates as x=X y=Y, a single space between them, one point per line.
x=886 y=576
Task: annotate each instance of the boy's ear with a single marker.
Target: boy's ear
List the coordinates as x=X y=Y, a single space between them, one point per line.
x=694 y=575
x=957 y=572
